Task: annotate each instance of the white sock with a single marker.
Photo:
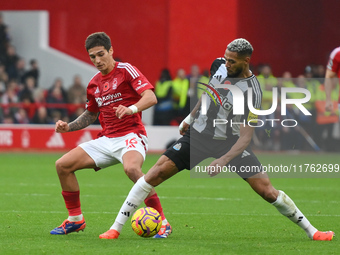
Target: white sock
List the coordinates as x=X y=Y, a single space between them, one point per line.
x=75 y=218
x=287 y=208
x=137 y=194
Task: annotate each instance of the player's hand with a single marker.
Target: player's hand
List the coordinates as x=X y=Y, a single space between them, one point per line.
x=61 y=127
x=329 y=106
x=185 y=124
x=216 y=166
x=122 y=110
x=183 y=127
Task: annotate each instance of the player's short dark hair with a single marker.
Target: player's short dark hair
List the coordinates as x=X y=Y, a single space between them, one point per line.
x=98 y=39
x=241 y=46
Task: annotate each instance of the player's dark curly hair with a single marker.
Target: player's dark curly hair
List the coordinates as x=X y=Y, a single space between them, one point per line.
x=98 y=39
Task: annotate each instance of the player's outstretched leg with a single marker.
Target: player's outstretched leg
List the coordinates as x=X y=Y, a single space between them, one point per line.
x=285 y=205
x=75 y=221
x=137 y=194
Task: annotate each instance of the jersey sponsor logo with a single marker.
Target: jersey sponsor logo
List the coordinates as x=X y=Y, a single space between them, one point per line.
x=177 y=146
x=102 y=100
x=252 y=117
x=115 y=84
x=141 y=85
x=55 y=141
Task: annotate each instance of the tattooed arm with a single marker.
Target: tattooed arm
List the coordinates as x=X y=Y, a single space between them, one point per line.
x=84 y=120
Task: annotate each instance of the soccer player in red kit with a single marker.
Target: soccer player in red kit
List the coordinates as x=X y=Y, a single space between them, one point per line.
x=118 y=93
x=333 y=70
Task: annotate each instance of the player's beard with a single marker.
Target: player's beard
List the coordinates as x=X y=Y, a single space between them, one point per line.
x=236 y=73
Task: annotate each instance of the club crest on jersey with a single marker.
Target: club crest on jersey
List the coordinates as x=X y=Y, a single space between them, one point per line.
x=106 y=86
x=177 y=146
x=115 y=83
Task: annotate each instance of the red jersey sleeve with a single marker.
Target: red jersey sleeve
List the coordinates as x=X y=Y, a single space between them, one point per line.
x=91 y=104
x=137 y=80
x=334 y=61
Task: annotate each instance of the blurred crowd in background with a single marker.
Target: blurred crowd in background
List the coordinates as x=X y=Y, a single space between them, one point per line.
x=24 y=101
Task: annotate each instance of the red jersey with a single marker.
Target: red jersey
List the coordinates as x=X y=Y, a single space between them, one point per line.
x=334 y=61
x=122 y=86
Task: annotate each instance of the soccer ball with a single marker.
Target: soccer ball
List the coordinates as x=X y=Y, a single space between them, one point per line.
x=146 y=222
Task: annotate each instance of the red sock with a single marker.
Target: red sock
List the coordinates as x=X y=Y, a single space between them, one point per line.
x=72 y=202
x=154 y=202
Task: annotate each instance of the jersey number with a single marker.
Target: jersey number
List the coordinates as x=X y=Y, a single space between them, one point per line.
x=130 y=143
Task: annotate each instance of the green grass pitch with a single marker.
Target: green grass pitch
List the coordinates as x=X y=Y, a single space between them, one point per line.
x=208 y=215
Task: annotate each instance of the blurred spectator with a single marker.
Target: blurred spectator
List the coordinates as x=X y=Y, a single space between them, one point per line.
x=164 y=111
x=58 y=83
x=11 y=62
x=203 y=79
x=33 y=72
x=8 y=119
x=4 y=39
x=21 y=70
x=57 y=95
x=9 y=97
x=267 y=81
x=193 y=78
x=26 y=95
x=320 y=72
x=269 y=133
x=39 y=95
x=286 y=80
x=77 y=91
x=180 y=87
x=21 y=117
x=312 y=83
x=325 y=120
x=307 y=122
x=41 y=116
x=3 y=79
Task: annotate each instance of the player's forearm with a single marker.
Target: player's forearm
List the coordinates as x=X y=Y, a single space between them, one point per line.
x=328 y=88
x=148 y=99
x=238 y=148
x=196 y=108
x=329 y=79
x=84 y=120
x=246 y=134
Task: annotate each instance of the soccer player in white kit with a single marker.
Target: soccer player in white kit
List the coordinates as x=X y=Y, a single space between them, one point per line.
x=118 y=94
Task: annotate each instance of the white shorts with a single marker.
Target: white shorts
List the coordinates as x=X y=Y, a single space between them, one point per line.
x=107 y=151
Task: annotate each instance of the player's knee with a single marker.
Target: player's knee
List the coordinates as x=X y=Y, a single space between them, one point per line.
x=60 y=167
x=134 y=173
x=269 y=194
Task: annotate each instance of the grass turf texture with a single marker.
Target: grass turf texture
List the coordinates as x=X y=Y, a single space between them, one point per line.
x=208 y=216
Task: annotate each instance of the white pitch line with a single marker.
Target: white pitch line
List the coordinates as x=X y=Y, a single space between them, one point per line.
x=177 y=213
x=175 y=198
x=229 y=187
